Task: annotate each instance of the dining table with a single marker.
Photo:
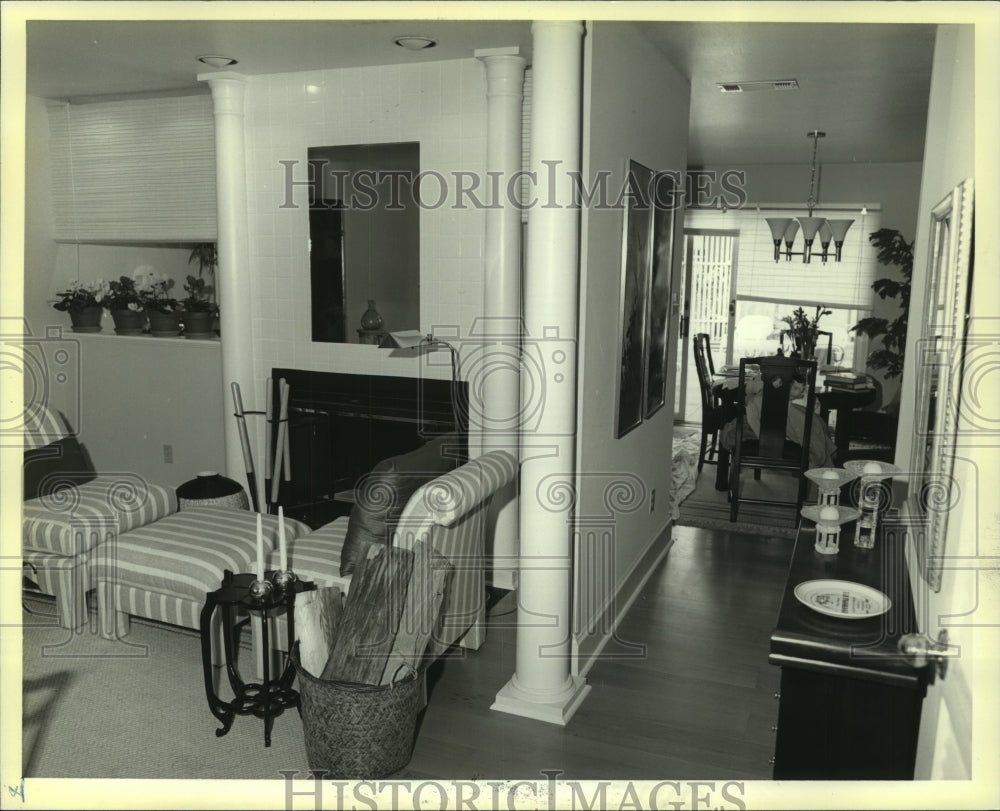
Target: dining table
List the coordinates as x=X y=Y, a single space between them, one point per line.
x=830 y=398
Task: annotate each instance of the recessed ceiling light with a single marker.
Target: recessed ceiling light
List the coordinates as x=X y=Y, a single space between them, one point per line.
x=413 y=42
x=217 y=61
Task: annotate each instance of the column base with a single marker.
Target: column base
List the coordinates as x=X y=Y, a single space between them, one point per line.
x=551 y=709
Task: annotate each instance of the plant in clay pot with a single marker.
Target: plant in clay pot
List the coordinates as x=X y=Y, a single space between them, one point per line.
x=199 y=310
x=162 y=308
x=125 y=302
x=84 y=303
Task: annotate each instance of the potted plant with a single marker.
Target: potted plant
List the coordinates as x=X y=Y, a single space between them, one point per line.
x=83 y=302
x=198 y=308
x=162 y=308
x=803 y=331
x=207 y=256
x=126 y=306
x=892 y=250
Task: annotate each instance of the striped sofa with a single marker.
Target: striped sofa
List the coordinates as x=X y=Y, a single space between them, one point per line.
x=76 y=512
x=450 y=514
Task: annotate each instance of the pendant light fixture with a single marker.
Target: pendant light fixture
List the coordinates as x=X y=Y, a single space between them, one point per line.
x=786 y=229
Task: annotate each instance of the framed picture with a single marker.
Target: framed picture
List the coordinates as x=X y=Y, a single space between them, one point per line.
x=636 y=258
x=661 y=271
x=940 y=363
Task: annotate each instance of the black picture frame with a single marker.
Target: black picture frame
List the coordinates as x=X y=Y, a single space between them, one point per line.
x=637 y=229
x=660 y=281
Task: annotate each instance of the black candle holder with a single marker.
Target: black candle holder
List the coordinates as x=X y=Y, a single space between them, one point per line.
x=244 y=594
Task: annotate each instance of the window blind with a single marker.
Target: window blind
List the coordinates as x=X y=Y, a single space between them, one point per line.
x=835 y=284
x=136 y=169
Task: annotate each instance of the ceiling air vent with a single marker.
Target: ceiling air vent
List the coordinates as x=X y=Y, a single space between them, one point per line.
x=746 y=87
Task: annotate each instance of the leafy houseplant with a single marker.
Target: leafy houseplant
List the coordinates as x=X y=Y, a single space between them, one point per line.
x=126 y=306
x=199 y=309
x=892 y=250
x=207 y=256
x=803 y=331
x=84 y=303
x=162 y=308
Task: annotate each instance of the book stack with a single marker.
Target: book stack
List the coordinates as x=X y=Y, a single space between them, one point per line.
x=848 y=381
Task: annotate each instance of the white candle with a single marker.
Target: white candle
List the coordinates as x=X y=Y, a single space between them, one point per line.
x=260 y=550
x=283 y=551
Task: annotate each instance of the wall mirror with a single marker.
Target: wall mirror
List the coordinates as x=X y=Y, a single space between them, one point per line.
x=939 y=361
x=364 y=237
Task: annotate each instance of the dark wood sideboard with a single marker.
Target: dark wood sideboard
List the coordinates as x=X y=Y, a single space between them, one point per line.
x=850 y=703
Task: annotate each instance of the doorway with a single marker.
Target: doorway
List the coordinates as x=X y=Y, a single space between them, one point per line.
x=707 y=282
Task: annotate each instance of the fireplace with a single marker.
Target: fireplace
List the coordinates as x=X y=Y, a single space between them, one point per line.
x=341 y=425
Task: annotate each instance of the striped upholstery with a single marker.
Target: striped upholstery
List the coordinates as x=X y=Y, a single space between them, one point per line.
x=57 y=523
x=67 y=579
x=42 y=426
x=185 y=554
x=450 y=513
x=316 y=556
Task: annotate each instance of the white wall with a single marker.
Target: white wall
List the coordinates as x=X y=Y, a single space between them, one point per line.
x=636 y=106
x=440 y=104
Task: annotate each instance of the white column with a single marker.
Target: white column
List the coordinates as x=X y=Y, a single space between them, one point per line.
x=498 y=366
x=232 y=274
x=542 y=686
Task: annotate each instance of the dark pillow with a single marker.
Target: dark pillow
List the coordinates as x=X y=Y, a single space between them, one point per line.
x=59 y=464
x=381 y=495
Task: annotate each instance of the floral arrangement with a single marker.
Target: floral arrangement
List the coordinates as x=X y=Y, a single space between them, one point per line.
x=81 y=295
x=803 y=331
x=157 y=298
x=124 y=295
x=198 y=296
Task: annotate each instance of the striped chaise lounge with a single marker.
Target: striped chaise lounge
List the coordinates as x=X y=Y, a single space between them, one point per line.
x=449 y=512
x=70 y=510
x=162 y=571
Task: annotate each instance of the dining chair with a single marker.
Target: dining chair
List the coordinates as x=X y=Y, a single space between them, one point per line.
x=829 y=345
x=769 y=448
x=711 y=419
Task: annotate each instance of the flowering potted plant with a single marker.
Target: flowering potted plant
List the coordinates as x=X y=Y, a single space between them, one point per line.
x=198 y=308
x=803 y=331
x=83 y=302
x=126 y=306
x=162 y=308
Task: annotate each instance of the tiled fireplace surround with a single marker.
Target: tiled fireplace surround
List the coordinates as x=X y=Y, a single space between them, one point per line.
x=440 y=104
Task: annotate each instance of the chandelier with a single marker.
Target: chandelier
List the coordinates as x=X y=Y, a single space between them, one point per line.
x=785 y=228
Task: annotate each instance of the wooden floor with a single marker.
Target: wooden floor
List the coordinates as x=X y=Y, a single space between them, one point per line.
x=698 y=703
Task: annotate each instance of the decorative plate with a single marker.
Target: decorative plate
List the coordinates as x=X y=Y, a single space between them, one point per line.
x=842 y=598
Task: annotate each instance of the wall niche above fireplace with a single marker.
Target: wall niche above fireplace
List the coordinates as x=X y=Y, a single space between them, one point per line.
x=364 y=235
x=341 y=425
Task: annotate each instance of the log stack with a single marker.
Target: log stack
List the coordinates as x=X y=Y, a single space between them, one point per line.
x=380 y=632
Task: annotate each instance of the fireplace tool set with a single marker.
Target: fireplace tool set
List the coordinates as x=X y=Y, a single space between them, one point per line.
x=277 y=458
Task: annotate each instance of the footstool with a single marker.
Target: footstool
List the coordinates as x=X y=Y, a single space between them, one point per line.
x=162 y=571
x=61 y=532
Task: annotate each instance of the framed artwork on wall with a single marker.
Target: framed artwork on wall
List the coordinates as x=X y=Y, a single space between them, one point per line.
x=635 y=272
x=661 y=271
x=940 y=363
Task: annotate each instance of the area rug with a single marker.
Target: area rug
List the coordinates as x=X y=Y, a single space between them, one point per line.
x=709 y=508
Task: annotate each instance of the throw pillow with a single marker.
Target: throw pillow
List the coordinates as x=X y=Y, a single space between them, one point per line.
x=381 y=495
x=60 y=464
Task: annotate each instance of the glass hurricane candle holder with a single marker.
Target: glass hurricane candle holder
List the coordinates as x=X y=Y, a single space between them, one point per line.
x=828 y=519
x=828 y=481
x=874 y=495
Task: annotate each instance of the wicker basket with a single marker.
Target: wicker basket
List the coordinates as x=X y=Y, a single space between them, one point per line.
x=358 y=731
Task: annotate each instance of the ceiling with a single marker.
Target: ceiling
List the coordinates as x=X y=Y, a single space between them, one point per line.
x=865 y=85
